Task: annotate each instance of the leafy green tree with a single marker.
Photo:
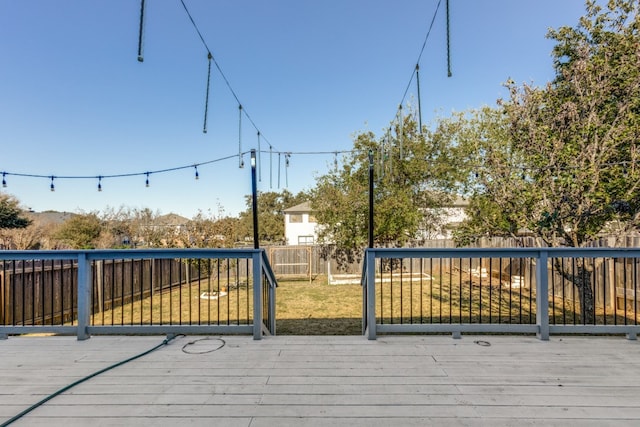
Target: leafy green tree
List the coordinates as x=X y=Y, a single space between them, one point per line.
x=204 y=231
x=561 y=161
x=414 y=172
x=81 y=231
x=11 y=216
x=271 y=206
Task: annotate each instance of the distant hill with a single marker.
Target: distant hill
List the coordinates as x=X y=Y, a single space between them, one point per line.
x=172 y=219
x=49 y=217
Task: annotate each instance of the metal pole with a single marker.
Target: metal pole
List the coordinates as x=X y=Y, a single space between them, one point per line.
x=371 y=198
x=254 y=200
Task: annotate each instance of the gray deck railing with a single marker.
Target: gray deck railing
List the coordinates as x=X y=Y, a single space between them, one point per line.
x=137 y=292
x=506 y=290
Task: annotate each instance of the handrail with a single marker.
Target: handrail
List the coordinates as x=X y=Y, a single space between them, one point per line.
x=540 y=258
x=82 y=286
x=268 y=271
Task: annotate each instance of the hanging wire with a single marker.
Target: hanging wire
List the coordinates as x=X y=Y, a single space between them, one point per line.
x=197 y=174
x=206 y=100
x=99 y=183
x=4 y=181
x=146 y=183
x=52 y=187
x=270 y=166
x=141 y=32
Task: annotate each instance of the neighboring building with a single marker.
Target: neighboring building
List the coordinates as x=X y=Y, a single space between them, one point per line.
x=300 y=225
x=440 y=222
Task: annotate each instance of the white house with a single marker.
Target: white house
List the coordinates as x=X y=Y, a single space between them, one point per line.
x=300 y=225
x=439 y=223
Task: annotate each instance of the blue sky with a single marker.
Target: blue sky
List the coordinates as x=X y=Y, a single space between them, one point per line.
x=74 y=100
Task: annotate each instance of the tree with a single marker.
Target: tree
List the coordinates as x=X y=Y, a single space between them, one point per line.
x=271 y=206
x=415 y=171
x=81 y=231
x=561 y=161
x=204 y=231
x=11 y=216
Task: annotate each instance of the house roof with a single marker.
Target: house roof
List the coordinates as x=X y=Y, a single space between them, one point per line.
x=301 y=208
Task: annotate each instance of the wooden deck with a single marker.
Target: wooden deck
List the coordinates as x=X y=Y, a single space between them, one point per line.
x=324 y=381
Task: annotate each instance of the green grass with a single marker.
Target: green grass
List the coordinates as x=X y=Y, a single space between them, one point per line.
x=317 y=308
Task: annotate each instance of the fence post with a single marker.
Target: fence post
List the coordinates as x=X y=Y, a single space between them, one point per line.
x=542 y=296
x=84 y=295
x=370 y=259
x=257 y=295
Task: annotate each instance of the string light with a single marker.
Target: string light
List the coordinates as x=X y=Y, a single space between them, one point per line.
x=449 y=74
x=240 y=135
x=286 y=170
x=419 y=97
x=259 y=162
x=211 y=58
x=206 y=101
x=141 y=32
x=380 y=153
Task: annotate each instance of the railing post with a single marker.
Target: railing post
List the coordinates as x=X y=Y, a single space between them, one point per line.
x=542 y=296
x=84 y=295
x=272 y=297
x=257 y=295
x=370 y=259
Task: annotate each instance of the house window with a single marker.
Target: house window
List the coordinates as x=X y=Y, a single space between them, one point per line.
x=312 y=218
x=305 y=240
x=295 y=218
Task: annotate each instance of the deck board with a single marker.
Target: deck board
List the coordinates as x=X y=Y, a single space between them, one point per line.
x=324 y=381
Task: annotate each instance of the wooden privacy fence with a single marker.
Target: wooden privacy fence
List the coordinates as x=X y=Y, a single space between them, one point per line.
x=302 y=261
x=36 y=292
x=45 y=289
